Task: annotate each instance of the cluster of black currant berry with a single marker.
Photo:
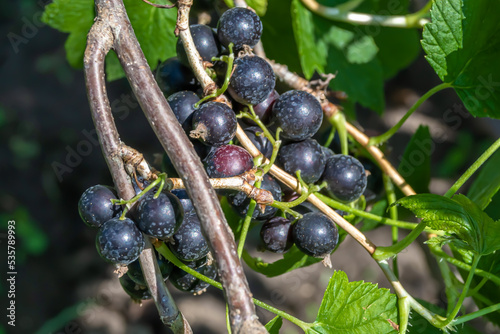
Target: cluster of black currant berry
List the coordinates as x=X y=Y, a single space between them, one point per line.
x=294 y=116
x=168 y=216
x=297 y=114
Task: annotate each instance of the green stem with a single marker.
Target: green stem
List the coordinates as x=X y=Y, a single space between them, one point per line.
x=472 y=169
x=261 y=125
x=460 y=301
x=339 y=14
x=382 y=253
x=246 y=226
x=459 y=264
x=222 y=90
x=166 y=253
x=393 y=213
x=451 y=292
x=338 y=121
x=330 y=138
x=274 y=155
x=387 y=135
x=477 y=314
x=363 y=214
x=228 y=322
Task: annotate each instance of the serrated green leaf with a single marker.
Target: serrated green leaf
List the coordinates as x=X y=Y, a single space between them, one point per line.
x=312 y=50
x=293 y=259
x=355 y=307
x=487 y=182
x=444 y=34
x=153 y=27
x=273 y=326
x=415 y=165
x=260 y=6
x=462 y=46
x=460 y=217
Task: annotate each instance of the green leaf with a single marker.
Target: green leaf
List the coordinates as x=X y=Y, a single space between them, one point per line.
x=379 y=209
x=292 y=259
x=415 y=165
x=312 y=51
x=260 y=6
x=273 y=326
x=487 y=182
x=278 y=42
x=473 y=229
x=355 y=307
x=233 y=218
x=153 y=27
x=462 y=46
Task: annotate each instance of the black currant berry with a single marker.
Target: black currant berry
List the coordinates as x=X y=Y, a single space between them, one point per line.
x=240 y=26
x=159 y=217
x=252 y=80
x=95 y=205
x=182 y=104
x=305 y=156
x=187 y=282
x=135 y=291
x=298 y=113
x=214 y=123
x=135 y=271
x=206 y=43
x=260 y=141
x=327 y=152
x=315 y=234
x=227 y=161
x=276 y=235
x=173 y=77
x=188 y=243
x=345 y=178
x=119 y=241
x=183 y=197
x=240 y=201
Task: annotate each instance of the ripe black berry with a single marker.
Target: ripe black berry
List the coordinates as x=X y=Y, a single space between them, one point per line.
x=276 y=235
x=227 y=161
x=172 y=77
x=252 y=81
x=239 y=26
x=95 y=205
x=345 y=178
x=188 y=243
x=136 y=275
x=298 y=113
x=240 y=201
x=204 y=39
x=214 y=123
x=135 y=291
x=187 y=282
x=305 y=156
x=119 y=241
x=315 y=234
x=182 y=104
x=159 y=217
x=183 y=197
x=260 y=141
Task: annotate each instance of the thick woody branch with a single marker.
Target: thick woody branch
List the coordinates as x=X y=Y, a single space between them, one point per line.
x=188 y=165
x=99 y=42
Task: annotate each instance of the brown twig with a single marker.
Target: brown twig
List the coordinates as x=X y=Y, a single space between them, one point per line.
x=159 y=5
x=100 y=40
x=186 y=162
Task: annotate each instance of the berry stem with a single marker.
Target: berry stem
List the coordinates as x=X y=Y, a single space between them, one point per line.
x=257 y=120
x=383 y=253
x=473 y=168
x=378 y=140
x=338 y=121
x=246 y=222
x=476 y=314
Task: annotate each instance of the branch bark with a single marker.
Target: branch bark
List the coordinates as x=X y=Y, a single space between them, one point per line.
x=100 y=40
x=112 y=15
